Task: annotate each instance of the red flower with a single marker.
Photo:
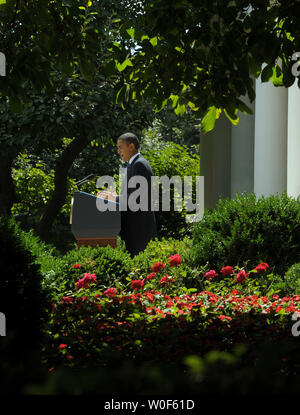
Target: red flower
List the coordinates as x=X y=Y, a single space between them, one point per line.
x=158 y=267
x=262 y=267
x=62 y=346
x=110 y=291
x=235 y=292
x=166 y=279
x=175 y=260
x=137 y=284
x=225 y=318
x=66 y=300
x=77 y=266
x=228 y=270
x=210 y=274
x=150 y=276
x=86 y=281
x=149 y=296
x=241 y=277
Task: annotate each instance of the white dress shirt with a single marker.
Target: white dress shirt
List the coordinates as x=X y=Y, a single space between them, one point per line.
x=133 y=157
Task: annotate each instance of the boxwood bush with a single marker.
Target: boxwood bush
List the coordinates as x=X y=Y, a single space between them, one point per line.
x=292 y=279
x=23 y=303
x=109 y=264
x=249 y=230
x=159 y=250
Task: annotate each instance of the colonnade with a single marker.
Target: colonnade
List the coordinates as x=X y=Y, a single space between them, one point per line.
x=261 y=154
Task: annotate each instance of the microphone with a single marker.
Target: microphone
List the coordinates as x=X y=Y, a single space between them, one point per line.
x=85 y=179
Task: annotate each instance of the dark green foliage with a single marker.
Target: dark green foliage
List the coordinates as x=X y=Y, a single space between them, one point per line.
x=246 y=230
x=170 y=159
x=292 y=279
x=216 y=372
x=23 y=302
x=109 y=264
x=160 y=251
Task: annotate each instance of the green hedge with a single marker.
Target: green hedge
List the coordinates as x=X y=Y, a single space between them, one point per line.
x=110 y=265
x=159 y=250
x=291 y=282
x=216 y=372
x=24 y=303
x=248 y=231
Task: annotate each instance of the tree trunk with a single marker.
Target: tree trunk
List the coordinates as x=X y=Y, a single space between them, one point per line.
x=7 y=187
x=57 y=200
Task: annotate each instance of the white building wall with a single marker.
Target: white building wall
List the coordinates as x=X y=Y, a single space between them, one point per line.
x=293 y=144
x=270 y=139
x=242 y=152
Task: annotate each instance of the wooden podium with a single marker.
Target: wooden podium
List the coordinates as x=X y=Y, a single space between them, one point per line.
x=92 y=226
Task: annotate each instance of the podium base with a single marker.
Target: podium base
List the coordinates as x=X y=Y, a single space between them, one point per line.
x=97 y=242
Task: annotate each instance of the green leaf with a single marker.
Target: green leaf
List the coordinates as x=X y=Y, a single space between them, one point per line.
x=288 y=79
x=122 y=66
x=174 y=99
x=233 y=118
x=243 y=107
x=267 y=73
x=153 y=41
x=192 y=106
x=131 y=32
x=277 y=77
x=209 y=120
x=2 y=2
x=180 y=109
x=120 y=94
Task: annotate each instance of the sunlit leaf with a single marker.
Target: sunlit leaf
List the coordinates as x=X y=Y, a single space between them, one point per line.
x=209 y=120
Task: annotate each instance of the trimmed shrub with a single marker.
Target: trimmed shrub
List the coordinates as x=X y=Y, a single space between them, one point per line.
x=198 y=375
x=292 y=279
x=23 y=302
x=247 y=231
x=160 y=251
x=47 y=256
x=110 y=265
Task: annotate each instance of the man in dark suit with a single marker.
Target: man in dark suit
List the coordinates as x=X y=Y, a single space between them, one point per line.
x=137 y=227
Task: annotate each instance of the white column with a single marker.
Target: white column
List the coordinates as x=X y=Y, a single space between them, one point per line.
x=242 y=152
x=270 y=139
x=215 y=162
x=293 y=146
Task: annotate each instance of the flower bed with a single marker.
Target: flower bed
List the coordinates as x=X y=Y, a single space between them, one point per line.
x=156 y=318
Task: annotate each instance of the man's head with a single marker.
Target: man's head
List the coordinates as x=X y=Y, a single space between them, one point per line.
x=128 y=146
